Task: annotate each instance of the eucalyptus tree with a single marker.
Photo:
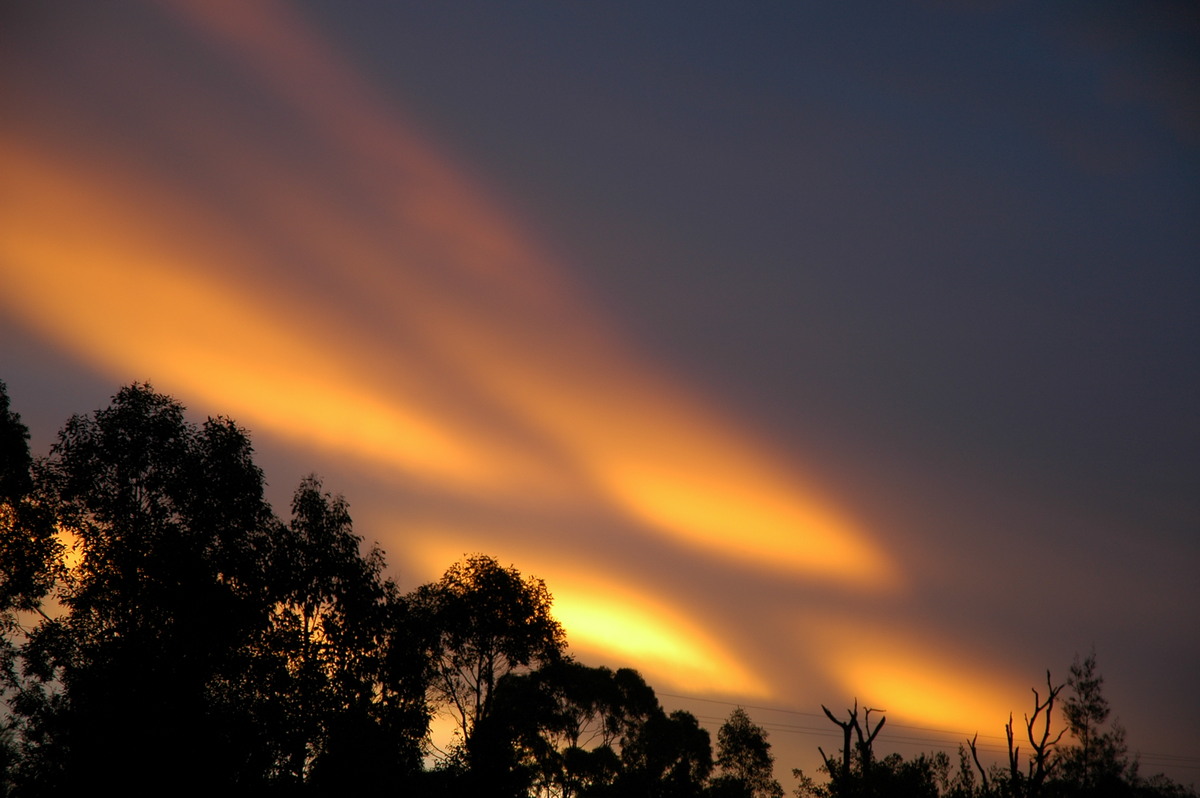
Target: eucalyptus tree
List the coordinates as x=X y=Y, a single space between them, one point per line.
x=197 y=638
x=669 y=756
x=30 y=551
x=343 y=711
x=483 y=621
x=169 y=527
x=560 y=731
x=744 y=759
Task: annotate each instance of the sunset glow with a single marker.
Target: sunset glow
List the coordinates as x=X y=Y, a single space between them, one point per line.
x=662 y=644
x=127 y=298
x=153 y=282
x=808 y=354
x=917 y=680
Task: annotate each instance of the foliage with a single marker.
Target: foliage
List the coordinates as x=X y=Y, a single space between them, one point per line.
x=597 y=732
x=573 y=722
x=1097 y=764
x=29 y=568
x=29 y=548
x=196 y=633
x=484 y=621
x=926 y=776
x=165 y=517
x=160 y=625
x=668 y=755
x=321 y=664
x=744 y=759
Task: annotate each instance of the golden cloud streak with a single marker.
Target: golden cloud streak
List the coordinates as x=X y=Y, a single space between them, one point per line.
x=916 y=679
x=115 y=286
x=426 y=335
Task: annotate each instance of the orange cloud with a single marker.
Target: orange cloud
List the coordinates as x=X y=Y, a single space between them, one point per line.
x=917 y=679
x=424 y=332
x=125 y=283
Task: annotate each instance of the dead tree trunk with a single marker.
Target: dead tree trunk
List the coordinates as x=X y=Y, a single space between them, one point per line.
x=1014 y=759
x=975 y=756
x=847 y=728
x=865 y=754
x=1028 y=784
x=1041 y=763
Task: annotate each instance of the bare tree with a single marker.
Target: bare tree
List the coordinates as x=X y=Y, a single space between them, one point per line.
x=863 y=746
x=1041 y=759
x=847 y=727
x=865 y=753
x=975 y=757
x=1041 y=762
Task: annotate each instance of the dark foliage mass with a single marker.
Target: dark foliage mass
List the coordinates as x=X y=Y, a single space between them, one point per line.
x=162 y=631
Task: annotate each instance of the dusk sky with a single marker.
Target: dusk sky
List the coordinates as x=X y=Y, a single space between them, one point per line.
x=807 y=351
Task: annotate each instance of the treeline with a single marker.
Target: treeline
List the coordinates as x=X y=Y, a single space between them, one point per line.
x=163 y=631
x=1082 y=756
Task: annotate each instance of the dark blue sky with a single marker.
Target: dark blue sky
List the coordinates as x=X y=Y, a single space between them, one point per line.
x=971 y=230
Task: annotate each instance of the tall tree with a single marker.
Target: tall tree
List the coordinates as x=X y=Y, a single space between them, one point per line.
x=340 y=712
x=1097 y=764
x=199 y=638
x=483 y=621
x=170 y=522
x=744 y=759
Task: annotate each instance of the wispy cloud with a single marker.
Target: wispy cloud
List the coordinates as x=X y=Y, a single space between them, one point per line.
x=360 y=296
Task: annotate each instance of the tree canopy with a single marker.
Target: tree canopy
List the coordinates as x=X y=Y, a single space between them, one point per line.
x=161 y=626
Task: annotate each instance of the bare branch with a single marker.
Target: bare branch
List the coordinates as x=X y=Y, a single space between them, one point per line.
x=1013 y=752
x=865 y=754
x=975 y=756
x=1041 y=763
x=846 y=727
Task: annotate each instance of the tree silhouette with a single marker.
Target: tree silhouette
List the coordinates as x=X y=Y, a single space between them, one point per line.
x=30 y=553
x=851 y=774
x=1097 y=764
x=1042 y=759
x=165 y=515
x=30 y=565
x=193 y=641
x=744 y=759
x=484 y=621
x=668 y=755
x=200 y=635
x=320 y=671
x=566 y=725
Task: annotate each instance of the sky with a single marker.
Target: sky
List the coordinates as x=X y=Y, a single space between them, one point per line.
x=809 y=352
